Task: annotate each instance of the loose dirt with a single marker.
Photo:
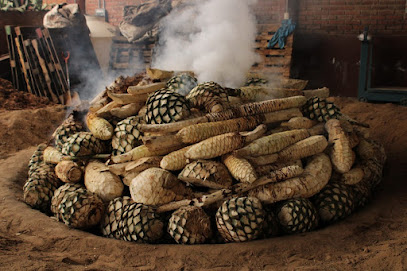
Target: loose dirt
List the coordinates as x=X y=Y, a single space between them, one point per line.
x=12 y=99
x=373 y=238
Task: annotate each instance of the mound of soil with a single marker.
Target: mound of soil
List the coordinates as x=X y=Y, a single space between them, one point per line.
x=28 y=127
x=374 y=238
x=12 y=99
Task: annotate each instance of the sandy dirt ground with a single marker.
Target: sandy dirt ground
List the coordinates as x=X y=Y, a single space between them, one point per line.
x=373 y=238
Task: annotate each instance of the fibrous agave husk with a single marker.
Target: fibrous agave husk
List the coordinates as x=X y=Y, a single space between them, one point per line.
x=69 y=171
x=99 y=127
x=140 y=223
x=209 y=96
x=297 y=215
x=82 y=144
x=223 y=144
x=60 y=193
x=201 y=131
x=190 y=225
x=37 y=157
x=99 y=180
x=165 y=106
x=240 y=219
x=206 y=173
x=341 y=154
x=372 y=160
x=113 y=216
x=299 y=123
x=126 y=135
x=273 y=143
x=362 y=192
x=182 y=83
x=40 y=187
x=175 y=160
x=156 y=186
x=240 y=168
x=69 y=126
x=316 y=175
x=304 y=148
x=77 y=207
x=334 y=202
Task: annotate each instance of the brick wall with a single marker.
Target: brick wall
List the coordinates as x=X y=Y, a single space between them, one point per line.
x=351 y=16
x=326 y=50
x=316 y=16
x=267 y=11
x=52 y=2
x=114 y=8
x=81 y=3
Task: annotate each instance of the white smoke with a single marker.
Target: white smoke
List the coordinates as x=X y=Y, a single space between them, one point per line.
x=213 y=38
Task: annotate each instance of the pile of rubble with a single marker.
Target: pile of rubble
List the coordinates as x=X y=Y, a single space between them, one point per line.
x=204 y=163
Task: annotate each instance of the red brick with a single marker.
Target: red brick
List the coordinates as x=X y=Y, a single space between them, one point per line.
x=317 y=16
x=336 y=22
x=345 y=27
x=353 y=22
x=314 y=27
x=318 y=21
x=352 y=12
x=368 y=22
x=376 y=17
x=385 y=12
x=394 y=27
x=394 y=17
x=336 y=12
x=368 y=12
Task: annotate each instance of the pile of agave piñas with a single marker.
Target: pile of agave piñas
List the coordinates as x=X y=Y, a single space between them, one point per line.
x=163 y=158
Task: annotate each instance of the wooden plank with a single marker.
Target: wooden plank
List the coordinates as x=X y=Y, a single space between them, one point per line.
x=262 y=43
x=25 y=64
x=276 y=52
x=25 y=67
x=35 y=69
x=32 y=72
x=270 y=69
x=121 y=66
x=277 y=60
x=122 y=45
x=13 y=57
x=55 y=60
x=45 y=54
x=5 y=57
x=268 y=27
x=26 y=34
x=45 y=72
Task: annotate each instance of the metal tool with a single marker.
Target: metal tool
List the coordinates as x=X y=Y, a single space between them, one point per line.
x=66 y=59
x=67 y=96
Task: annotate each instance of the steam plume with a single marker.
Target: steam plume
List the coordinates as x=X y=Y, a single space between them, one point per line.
x=213 y=38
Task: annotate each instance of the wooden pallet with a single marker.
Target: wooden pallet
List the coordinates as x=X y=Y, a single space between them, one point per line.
x=43 y=53
x=36 y=60
x=15 y=65
x=124 y=55
x=273 y=61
